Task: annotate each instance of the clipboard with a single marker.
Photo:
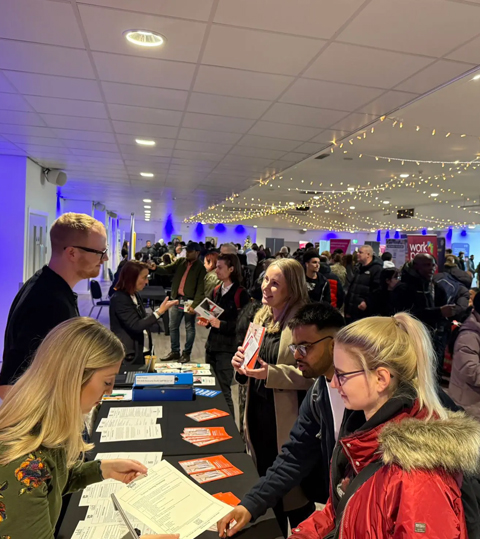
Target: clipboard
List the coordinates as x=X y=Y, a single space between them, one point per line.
x=133 y=533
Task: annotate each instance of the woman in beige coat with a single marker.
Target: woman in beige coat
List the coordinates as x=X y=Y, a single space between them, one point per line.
x=276 y=387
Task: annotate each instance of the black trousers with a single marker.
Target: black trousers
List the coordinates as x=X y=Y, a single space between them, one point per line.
x=221 y=363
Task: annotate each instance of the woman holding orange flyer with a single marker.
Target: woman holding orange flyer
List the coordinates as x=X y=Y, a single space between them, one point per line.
x=275 y=386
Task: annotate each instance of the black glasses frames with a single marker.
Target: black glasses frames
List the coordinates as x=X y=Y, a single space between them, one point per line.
x=102 y=254
x=303 y=348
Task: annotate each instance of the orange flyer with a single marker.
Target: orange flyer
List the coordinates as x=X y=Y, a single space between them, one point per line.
x=206 y=415
x=251 y=345
x=205 y=464
x=227 y=497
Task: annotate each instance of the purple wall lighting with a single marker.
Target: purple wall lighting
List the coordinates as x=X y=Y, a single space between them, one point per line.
x=169 y=228
x=397 y=235
x=387 y=235
x=330 y=236
x=199 y=231
x=379 y=236
x=220 y=228
x=240 y=229
x=424 y=232
x=463 y=233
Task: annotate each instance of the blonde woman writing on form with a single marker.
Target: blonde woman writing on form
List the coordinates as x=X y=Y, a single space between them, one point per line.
x=41 y=423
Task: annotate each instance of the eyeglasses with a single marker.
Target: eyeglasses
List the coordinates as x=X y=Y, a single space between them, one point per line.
x=303 y=348
x=102 y=254
x=342 y=376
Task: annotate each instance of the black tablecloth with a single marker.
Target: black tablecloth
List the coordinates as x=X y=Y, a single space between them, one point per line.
x=265 y=528
x=156 y=293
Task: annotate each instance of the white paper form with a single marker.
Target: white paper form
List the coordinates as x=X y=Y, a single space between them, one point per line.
x=99 y=491
x=147 y=459
x=124 y=434
x=104 y=512
x=137 y=411
x=106 y=531
x=111 y=422
x=169 y=502
x=203 y=380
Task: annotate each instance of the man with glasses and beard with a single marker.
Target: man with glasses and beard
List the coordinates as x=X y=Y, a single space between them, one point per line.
x=79 y=249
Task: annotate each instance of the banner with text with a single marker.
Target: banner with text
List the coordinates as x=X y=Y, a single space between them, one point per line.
x=339 y=244
x=421 y=244
x=398 y=250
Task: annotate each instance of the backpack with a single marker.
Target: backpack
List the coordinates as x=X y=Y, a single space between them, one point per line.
x=450 y=286
x=470 y=500
x=238 y=293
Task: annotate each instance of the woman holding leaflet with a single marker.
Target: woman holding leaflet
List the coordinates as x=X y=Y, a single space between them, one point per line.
x=41 y=423
x=276 y=387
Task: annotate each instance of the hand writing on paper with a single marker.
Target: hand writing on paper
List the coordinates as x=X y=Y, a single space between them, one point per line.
x=122 y=469
x=259 y=374
x=237 y=361
x=241 y=515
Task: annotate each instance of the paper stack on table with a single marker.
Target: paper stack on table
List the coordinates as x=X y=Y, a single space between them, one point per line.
x=204 y=436
x=118 y=395
x=133 y=423
x=207 y=469
x=203 y=380
x=206 y=415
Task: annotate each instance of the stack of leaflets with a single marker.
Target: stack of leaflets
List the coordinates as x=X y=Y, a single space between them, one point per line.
x=205 y=436
x=251 y=345
x=207 y=469
x=206 y=415
x=227 y=497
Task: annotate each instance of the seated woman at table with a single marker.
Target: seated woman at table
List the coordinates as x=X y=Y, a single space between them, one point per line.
x=222 y=340
x=41 y=423
x=128 y=318
x=276 y=387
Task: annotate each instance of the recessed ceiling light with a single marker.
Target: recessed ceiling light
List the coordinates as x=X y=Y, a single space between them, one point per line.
x=404 y=175
x=147 y=207
x=430 y=228
x=255 y=226
x=471 y=226
x=147 y=174
x=350 y=188
x=434 y=195
x=144 y=38
x=316 y=198
x=144 y=142
x=327 y=211
x=291 y=203
x=352 y=207
x=476 y=77
x=304 y=229
x=386 y=202
x=147 y=200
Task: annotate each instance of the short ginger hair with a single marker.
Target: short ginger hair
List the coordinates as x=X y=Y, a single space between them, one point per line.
x=72 y=229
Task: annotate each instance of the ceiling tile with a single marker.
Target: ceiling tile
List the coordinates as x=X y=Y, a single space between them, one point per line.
x=129 y=145
x=91 y=145
x=27 y=130
x=14 y=102
x=20 y=118
x=105 y=27
x=295 y=156
x=74 y=122
x=202 y=146
x=351 y=64
x=300 y=17
x=470 y=52
x=300 y=115
x=202 y=135
x=148 y=159
x=439 y=73
x=188 y=9
x=52 y=86
x=147 y=71
x=5 y=86
x=428 y=32
x=144 y=130
x=227 y=106
x=268 y=142
x=309 y=147
x=248 y=151
x=259 y=51
x=47 y=59
x=329 y=95
x=216 y=123
x=387 y=102
x=145 y=115
x=144 y=96
x=91 y=136
x=96 y=153
x=242 y=161
x=38 y=141
x=67 y=107
x=31 y=20
x=287 y=131
x=328 y=135
x=224 y=81
x=182 y=154
x=354 y=122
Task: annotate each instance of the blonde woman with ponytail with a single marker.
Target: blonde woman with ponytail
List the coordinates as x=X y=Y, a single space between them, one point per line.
x=398 y=467
x=41 y=423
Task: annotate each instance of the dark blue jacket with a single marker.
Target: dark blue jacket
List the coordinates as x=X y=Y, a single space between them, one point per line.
x=304 y=459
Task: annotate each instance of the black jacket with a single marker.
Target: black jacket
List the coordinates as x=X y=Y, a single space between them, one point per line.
x=128 y=321
x=304 y=459
x=318 y=289
x=462 y=297
x=366 y=281
x=224 y=339
x=420 y=298
x=336 y=288
x=461 y=276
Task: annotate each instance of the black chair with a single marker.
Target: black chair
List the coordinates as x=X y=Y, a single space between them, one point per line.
x=96 y=294
x=110 y=274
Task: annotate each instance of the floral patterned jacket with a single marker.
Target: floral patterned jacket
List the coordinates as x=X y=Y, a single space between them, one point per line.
x=31 y=490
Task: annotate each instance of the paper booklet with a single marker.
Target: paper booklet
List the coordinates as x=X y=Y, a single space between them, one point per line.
x=251 y=344
x=208 y=309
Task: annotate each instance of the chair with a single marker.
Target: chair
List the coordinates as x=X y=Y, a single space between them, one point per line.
x=110 y=274
x=96 y=294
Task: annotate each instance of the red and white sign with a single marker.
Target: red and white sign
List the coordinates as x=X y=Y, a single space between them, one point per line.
x=419 y=244
x=339 y=244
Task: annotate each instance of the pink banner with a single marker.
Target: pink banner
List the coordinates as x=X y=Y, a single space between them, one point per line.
x=339 y=244
x=421 y=244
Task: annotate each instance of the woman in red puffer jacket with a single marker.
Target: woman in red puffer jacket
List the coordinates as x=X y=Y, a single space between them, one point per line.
x=385 y=373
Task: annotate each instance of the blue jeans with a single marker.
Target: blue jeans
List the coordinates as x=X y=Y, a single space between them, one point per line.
x=176 y=316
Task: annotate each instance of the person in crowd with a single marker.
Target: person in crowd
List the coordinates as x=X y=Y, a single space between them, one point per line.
x=280 y=255
x=166 y=259
x=365 y=282
x=348 y=264
x=275 y=386
x=161 y=248
x=228 y=249
x=470 y=264
x=382 y=302
x=41 y=421
x=128 y=318
x=148 y=252
x=285 y=251
x=465 y=378
x=241 y=253
x=326 y=254
x=268 y=253
x=336 y=252
x=448 y=252
x=337 y=295
x=260 y=253
x=450 y=266
x=211 y=279
x=79 y=249
x=221 y=342
x=304 y=459
x=472 y=293
x=188 y=285
x=180 y=251
x=111 y=290
x=387 y=259
x=461 y=260
x=125 y=249
x=252 y=256
x=138 y=256
x=308 y=246
x=401 y=453
x=317 y=285
x=338 y=269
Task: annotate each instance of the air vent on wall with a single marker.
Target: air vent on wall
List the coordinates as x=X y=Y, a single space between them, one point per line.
x=322 y=156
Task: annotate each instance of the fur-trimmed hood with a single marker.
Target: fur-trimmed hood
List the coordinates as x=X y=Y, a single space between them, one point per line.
x=452 y=444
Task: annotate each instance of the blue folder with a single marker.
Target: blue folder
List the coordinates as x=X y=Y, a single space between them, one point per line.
x=163 y=387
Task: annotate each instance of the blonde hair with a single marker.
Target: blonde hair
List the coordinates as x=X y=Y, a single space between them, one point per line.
x=402 y=344
x=72 y=229
x=297 y=295
x=43 y=407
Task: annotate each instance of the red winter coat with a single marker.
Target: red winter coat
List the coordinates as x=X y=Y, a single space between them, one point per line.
x=416 y=493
